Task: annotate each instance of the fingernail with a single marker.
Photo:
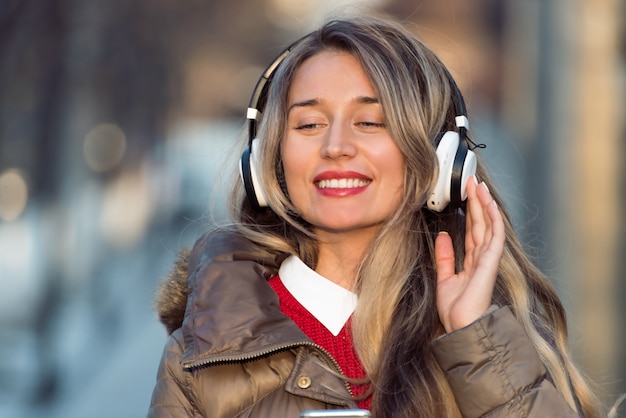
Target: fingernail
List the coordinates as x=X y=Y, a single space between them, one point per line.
x=475 y=180
x=485 y=185
x=443 y=232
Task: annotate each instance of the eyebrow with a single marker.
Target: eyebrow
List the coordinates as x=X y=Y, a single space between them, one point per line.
x=367 y=100
x=304 y=103
x=315 y=102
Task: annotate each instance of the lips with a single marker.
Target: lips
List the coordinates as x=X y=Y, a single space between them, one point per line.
x=341 y=180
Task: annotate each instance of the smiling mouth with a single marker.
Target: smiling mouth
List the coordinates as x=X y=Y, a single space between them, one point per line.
x=342 y=183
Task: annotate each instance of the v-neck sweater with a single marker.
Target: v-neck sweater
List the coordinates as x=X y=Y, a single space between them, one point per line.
x=340 y=347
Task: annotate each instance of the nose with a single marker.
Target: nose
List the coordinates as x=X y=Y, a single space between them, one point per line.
x=339 y=142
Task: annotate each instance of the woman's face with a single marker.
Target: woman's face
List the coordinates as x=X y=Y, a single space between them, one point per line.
x=343 y=171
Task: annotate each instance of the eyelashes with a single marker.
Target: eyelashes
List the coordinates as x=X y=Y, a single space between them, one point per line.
x=309 y=126
x=372 y=124
x=367 y=125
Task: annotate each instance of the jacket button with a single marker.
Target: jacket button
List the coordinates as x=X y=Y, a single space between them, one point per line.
x=304 y=382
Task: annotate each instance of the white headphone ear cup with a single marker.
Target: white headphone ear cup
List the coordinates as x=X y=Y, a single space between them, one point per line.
x=250 y=174
x=469 y=169
x=255 y=164
x=446 y=152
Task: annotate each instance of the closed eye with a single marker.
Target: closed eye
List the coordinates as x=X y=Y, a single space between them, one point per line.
x=366 y=124
x=309 y=126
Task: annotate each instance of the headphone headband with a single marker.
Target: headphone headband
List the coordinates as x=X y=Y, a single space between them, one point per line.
x=260 y=89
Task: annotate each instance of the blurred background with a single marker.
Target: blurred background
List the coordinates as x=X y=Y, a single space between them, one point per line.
x=118 y=118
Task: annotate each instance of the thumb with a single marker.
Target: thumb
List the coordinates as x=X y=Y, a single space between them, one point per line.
x=444 y=256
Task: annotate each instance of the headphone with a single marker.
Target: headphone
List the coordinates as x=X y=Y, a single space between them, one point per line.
x=457 y=162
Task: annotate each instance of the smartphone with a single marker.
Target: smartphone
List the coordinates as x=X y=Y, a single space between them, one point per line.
x=336 y=413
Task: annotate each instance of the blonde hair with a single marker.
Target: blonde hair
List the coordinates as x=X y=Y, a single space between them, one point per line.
x=396 y=318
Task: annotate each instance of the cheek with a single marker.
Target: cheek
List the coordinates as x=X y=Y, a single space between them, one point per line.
x=396 y=184
x=293 y=167
x=394 y=160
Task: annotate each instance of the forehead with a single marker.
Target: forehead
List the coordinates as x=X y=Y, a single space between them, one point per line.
x=332 y=73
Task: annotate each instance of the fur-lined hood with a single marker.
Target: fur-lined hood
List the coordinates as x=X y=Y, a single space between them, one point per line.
x=171 y=297
x=217 y=248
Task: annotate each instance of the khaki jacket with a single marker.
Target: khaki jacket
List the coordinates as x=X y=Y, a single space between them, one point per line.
x=237 y=355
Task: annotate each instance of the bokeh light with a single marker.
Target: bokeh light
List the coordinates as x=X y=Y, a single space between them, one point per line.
x=104 y=147
x=13 y=194
x=126 y=209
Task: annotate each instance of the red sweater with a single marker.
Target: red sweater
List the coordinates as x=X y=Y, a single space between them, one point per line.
x=340 y=347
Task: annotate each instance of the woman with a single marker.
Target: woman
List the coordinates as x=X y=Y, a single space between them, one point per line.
x=452 y=318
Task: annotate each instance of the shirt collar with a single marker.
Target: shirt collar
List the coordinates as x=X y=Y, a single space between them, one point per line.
x=328 y=302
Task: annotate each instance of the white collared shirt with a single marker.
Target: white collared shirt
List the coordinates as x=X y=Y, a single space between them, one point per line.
x=328 y=302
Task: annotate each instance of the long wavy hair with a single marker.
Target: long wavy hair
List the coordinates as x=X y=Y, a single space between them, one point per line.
x=396 y=318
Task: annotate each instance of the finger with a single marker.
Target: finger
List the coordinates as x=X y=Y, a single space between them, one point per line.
x=476 y=215
x=485 y=198
x=488 y=262
x=497 y=225
x=471 y=196
x=444 y=256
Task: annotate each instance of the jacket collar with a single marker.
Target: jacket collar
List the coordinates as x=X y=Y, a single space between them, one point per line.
x=232 y=313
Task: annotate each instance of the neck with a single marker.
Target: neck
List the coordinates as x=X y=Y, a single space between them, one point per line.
x=341 y=255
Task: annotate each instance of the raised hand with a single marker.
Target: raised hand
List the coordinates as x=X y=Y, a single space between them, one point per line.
x=464 y=296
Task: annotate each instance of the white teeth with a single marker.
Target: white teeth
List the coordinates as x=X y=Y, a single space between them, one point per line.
x=342 y=183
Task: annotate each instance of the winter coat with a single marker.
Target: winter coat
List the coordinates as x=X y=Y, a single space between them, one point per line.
x=237 y=355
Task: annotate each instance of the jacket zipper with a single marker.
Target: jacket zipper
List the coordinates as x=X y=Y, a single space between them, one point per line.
x=327 y=356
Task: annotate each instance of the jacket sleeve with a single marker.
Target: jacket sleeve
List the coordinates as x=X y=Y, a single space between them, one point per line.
x=171 y=397
x=494 y=370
